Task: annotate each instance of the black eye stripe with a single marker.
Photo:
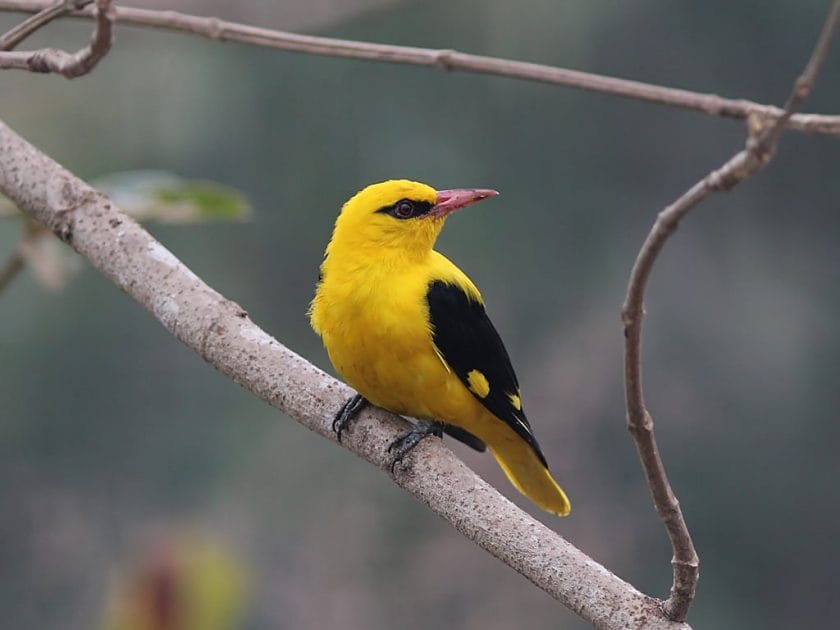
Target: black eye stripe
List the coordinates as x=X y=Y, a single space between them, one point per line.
x=395 y=210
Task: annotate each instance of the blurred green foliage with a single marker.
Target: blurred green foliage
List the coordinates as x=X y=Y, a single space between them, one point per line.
x=165 y=197
x=144 y=195
x=109 y=428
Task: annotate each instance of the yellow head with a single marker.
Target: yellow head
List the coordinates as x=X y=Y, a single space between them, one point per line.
x=398 y=216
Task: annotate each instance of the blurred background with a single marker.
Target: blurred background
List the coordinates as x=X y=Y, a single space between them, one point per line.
x=131 y=472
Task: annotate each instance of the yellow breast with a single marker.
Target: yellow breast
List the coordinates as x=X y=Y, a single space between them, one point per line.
x=374 y=324
x=376 y=335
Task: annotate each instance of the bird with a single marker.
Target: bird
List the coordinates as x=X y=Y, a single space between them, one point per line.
x=408 y=330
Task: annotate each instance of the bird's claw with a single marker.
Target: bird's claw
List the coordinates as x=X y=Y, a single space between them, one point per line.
x=406 y=442
x=347 y=413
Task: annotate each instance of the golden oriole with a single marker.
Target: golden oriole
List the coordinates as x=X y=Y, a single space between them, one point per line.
x=407 y=329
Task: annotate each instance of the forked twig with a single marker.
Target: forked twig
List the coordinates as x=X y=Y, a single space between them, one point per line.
x=46 y=60
x=17 y=34
x=759 y=150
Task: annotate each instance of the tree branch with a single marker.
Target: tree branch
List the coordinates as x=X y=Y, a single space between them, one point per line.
x=214 y=28
x=759 y=150
x=46 y=60
x=16 y=35
x=221 y=332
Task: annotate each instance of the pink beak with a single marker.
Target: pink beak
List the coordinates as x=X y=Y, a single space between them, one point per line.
x=448 y=201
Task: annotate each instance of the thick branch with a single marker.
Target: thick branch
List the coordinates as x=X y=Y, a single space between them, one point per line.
x=69 y=65
x=746 y=163
x=217 y=29
x=222 y=333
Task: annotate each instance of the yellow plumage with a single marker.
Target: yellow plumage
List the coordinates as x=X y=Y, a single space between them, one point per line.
x=383 y=328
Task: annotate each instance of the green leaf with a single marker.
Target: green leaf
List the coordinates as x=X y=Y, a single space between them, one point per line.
x=165 y=197
x=144 y=195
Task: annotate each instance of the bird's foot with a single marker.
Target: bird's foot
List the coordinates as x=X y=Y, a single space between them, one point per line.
x=406 y=442
x=347 y=413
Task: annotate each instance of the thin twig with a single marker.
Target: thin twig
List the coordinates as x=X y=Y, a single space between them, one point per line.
x=69 y=65
x=16 y=261
x=214 y=28
x=805 y=83
x=11 y=268
x=16 y=35
x=758 y=151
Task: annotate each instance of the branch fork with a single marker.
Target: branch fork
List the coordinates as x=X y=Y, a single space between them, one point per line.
x=53 y=60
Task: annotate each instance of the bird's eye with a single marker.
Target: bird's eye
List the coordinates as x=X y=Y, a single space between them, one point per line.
x=403 y=209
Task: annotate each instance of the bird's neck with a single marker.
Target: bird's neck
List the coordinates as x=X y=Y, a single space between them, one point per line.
x=372 y=263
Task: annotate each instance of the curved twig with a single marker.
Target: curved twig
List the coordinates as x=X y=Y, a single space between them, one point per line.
x=46 y=60
x=214 y=28
x=16 y=35
x=757 y=153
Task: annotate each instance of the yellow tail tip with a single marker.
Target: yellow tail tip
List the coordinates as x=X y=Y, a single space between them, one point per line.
x=562 y=507
x=549 y=496
x=533 y=479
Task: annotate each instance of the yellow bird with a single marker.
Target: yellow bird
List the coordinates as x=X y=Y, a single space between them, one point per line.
x=407 y=329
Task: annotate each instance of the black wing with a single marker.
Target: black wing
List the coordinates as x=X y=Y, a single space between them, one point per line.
x=468 y=342
x=465 y=437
